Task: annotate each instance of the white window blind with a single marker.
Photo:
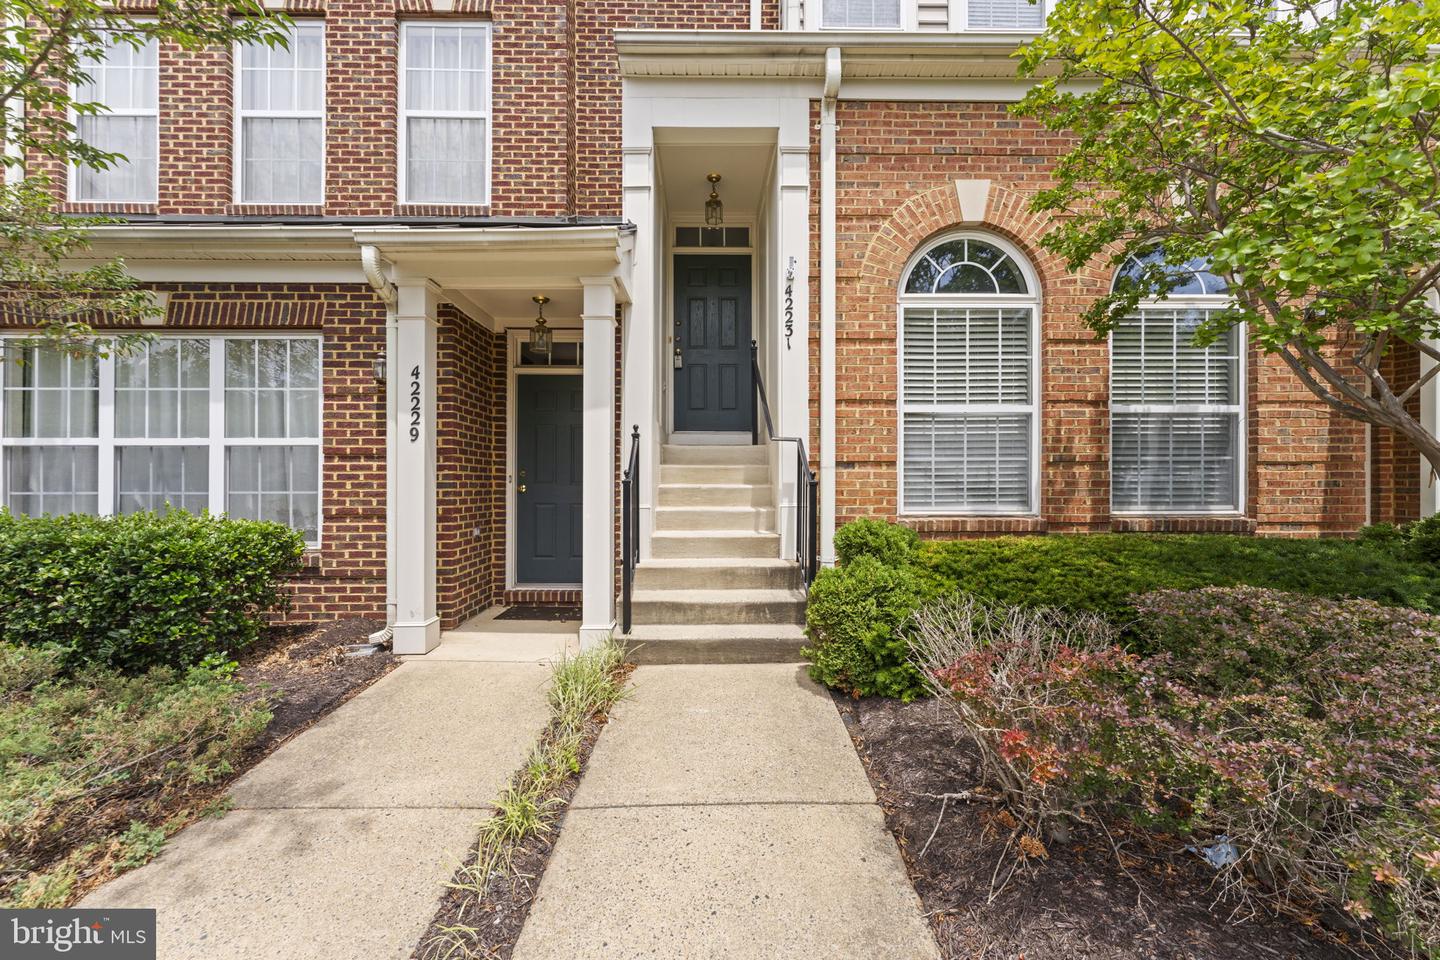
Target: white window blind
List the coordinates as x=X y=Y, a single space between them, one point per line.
x=856 y=14
x=281 y=125
x=125 y=82
x=227 y=424
x=1005 y=14
x=1175 y=416
x=967 y=408
x=445 y=126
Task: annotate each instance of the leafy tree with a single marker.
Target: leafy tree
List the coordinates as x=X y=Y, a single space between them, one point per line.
x=43 y=61
x=1292 y=144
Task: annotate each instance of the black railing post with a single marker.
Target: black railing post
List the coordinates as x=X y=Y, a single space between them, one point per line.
x=629 y=527
x=754 y=388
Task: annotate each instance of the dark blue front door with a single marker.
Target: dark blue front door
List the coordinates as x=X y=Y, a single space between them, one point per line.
x=713 y=386
x=547 y=479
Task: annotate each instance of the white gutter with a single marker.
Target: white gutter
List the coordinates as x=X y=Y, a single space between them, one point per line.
x=827 y=305
x=375 y=274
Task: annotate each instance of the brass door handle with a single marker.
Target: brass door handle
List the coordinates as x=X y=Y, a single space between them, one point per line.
x=521 y=488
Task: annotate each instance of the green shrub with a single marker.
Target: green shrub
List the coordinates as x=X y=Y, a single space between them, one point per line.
x=889 y=543
x=1102 y=573
x=856 y=623
x=1305 y=731
x=142 y=590
x=93 y=764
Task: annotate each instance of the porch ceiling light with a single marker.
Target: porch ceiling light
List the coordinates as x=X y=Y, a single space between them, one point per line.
x=540 y=335
x=714 y=209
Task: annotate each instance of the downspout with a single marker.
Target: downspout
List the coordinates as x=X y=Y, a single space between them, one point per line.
x=827 y=305
x=370 y=263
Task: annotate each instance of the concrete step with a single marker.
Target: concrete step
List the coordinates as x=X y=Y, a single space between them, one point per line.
x=750 y=574
x=746 y=607
x=716 y=495
x=756 y=519
x=715 y=643
x=715 y=473
x=669 y=544
x=712 y=454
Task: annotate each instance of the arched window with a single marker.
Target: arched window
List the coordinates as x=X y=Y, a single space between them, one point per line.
x=969 y=429
x=1176 y=409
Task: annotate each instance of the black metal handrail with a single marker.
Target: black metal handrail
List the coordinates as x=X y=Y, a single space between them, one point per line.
x=629 y=527
x=807 y=504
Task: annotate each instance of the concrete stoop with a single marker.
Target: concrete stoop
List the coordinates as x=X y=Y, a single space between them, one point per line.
x=715 y=590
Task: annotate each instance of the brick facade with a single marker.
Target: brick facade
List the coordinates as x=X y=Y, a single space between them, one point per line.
x=897 y=167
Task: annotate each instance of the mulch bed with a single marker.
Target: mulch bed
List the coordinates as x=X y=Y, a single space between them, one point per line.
x=491 y=924
x=1081 y=903
x=300 y=671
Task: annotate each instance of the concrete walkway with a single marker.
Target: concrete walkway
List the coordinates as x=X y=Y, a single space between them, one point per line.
x=725 y=814
x=339 y=843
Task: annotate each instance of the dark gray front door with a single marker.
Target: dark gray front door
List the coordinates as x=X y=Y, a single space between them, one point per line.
x=547 y=479
x=713 y=387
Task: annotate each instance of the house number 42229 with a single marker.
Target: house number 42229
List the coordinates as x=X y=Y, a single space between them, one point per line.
x=415 y=403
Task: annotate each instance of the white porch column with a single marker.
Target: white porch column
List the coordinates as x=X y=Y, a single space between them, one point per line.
x=597 y=497
x=640 y=380
x=411 y=375
x=791 y=268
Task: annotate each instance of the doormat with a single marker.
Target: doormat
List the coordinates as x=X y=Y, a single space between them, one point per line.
x=534 y=612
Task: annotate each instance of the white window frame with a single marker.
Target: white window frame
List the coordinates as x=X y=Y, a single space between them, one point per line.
x=402 y=166
x=72 y=180
x=1239 y=410
x=215 y=440
x=960 y=20
x=237 y=153
x=1031 y=301
x=908 y=20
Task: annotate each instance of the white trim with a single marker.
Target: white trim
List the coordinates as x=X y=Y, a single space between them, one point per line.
x=403 y=114
x=240 y=113
x=1240 y=410
x=1032 y=302
x=514 y=337
x=72 y=179
x=107 y=443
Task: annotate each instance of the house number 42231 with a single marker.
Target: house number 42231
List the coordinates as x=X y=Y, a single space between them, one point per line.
x=415 y=403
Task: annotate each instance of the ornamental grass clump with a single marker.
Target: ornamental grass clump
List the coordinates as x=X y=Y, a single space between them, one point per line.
x=1304 y=731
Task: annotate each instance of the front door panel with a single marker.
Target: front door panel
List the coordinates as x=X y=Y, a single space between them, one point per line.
x=547 y=479
x=713 y=386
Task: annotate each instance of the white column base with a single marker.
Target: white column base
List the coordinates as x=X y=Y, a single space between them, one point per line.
x=593 y=636
x=416 y=637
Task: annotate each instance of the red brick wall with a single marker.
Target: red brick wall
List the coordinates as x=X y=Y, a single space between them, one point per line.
x=555 y=105
x=1394 y=461
x=897 y=167
x=470 y=426
x=346 y=575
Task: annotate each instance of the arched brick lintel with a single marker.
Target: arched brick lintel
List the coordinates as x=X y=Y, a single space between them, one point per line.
x=939 y=210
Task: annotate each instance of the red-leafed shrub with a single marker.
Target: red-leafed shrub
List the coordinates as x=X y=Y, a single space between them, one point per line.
x=1306 y=732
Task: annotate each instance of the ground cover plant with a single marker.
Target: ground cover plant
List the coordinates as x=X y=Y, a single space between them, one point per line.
x=859 y=610
x=489 y=897
x=1292 y=740
x=143 y=590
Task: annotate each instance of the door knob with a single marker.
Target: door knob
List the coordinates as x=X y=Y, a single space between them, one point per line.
x=521 y=488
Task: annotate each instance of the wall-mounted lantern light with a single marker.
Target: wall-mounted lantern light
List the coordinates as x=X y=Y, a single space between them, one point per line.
x=377 y=367
x=714 y=209
x=540 y=335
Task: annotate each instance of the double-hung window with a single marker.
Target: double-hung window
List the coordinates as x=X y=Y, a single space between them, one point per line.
x=1004 y=14
x=861 y=14
x=124 y=83
x=227 y=424
x=280 y=123
x=1176 y=408
x=445 y=113
x=968 y=370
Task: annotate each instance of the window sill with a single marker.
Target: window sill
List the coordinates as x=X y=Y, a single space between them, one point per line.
x=104 y=206
x=277 y=209
x=1182 y=524
x=974 y=525
x=441 y=209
